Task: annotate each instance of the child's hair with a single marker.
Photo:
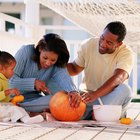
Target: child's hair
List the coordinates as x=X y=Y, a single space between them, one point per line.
x=6 y=58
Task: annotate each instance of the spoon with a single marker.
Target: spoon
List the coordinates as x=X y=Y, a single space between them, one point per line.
x=100 y=101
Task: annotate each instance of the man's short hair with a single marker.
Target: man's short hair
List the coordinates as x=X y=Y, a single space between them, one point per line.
x=117 y=28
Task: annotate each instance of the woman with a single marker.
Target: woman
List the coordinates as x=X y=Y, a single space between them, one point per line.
x=41 y=69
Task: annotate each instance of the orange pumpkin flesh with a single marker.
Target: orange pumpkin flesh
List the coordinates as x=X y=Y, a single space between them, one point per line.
x=62 y=111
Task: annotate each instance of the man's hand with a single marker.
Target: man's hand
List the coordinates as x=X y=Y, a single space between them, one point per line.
x=41 y=86
x=89 y=97
x=74 y=99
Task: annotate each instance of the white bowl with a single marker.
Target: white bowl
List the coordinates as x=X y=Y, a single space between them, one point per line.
x=107 y=113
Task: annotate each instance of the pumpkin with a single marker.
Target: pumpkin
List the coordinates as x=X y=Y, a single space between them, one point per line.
x=126 y=121
x=16 y=99
x=61 y=109
x=13 y=102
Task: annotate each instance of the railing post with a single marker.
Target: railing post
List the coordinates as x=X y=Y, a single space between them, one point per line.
x=2 y=25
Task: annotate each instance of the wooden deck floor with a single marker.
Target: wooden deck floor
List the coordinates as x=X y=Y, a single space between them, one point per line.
x=84 y=130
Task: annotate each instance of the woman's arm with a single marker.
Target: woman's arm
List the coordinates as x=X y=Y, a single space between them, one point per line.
x=19 y=80
x=63 y=79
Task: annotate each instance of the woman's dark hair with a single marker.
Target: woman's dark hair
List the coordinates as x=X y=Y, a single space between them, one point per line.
x=53 y=42
x=117 y=28
x=6 y=58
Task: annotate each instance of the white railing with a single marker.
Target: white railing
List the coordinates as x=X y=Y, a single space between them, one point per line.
x=20 y=26
x=20 y=37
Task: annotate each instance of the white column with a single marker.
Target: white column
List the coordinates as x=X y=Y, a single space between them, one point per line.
x=135 y=74
x=32 y=9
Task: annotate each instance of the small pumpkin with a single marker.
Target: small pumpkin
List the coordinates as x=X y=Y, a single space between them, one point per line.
x=17 y=99
x=61 y=109
x=13 y=102
x=126 y=121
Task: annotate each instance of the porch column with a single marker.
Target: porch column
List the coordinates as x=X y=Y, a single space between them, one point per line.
x=32 y=9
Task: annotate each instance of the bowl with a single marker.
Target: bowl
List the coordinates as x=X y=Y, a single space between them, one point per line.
x=107 y=113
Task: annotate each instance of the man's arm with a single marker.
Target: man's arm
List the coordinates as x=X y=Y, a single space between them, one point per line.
x=118 y=77
x=74 y=69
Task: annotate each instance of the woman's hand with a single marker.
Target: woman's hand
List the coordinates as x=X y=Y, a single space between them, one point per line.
x=41 y=86
x=12 y=91
x=74 y=99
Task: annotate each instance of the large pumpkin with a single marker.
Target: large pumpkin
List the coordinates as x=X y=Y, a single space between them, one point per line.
x=62 y=111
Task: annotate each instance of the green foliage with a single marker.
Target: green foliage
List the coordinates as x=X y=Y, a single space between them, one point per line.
x=138 y=92
x=136 y=100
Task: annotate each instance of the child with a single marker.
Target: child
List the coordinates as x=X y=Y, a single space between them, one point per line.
x=9 y=112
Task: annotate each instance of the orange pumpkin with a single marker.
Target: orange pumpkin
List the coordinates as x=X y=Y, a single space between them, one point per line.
x=126 y=121
x=61 y=109
x=18 y=98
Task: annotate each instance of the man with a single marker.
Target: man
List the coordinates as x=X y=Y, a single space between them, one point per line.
x=107 y=63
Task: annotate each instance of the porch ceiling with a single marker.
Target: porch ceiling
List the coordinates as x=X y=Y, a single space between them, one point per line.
x=93 y=15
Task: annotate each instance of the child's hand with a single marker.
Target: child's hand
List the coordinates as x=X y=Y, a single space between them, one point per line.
x=15 y=91
x=12 y=91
